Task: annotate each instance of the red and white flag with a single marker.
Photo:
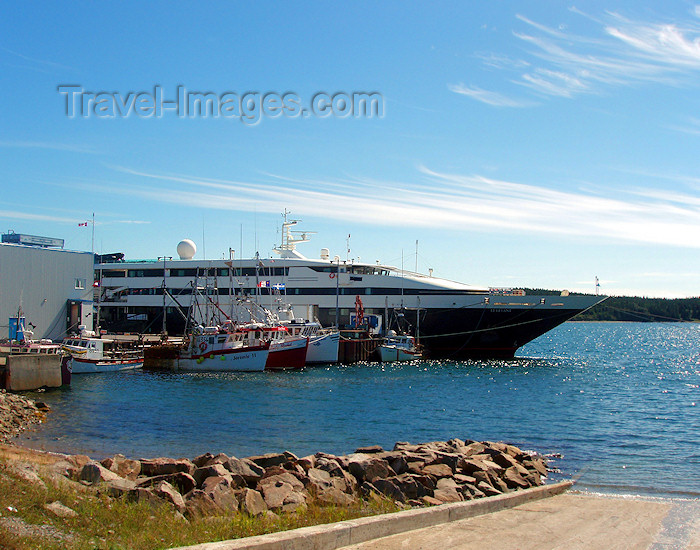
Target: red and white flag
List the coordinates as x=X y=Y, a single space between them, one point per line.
x=84 y=224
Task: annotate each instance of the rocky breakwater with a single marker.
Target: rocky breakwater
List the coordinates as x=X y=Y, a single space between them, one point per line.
x=411 y=475
x=17 y=413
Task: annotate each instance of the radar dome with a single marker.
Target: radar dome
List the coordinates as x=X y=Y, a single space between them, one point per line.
x=186 y=249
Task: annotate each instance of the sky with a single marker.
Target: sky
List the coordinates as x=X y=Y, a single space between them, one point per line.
x=521 y=144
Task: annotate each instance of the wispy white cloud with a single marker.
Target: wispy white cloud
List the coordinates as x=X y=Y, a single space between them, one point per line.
x=442 y=201
x=35 y=64
x=624 y=51
x=490 y=98
x=16 y=215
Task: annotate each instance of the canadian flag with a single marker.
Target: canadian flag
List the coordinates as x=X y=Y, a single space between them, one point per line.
x=84 y=224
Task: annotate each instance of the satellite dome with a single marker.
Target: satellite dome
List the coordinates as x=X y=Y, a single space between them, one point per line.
x=186 y=249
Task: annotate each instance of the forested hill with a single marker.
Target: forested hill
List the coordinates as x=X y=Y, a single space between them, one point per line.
x=633 y=308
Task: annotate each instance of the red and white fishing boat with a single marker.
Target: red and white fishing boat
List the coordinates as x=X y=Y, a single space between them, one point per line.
x=224 y=349
x=323 y=342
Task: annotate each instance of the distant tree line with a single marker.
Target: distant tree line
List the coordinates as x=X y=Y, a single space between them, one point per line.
x=633 y=308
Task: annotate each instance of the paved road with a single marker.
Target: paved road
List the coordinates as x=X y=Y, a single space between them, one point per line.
x=563 y=522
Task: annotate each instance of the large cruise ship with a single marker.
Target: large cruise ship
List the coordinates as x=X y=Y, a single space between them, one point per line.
x=452 y=320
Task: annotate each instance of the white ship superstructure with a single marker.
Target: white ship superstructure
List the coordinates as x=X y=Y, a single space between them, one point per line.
x=454 y=319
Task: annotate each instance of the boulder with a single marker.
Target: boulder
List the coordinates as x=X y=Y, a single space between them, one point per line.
x=198 y=503
x=447 y=495
x=169 y=494
x=285 y=477
x=61 y=510
x=369 y=450
x=330 y=465
x=335 y=497
x=437 y=470
x=213 y=470
x=247 y=469
x=319 y=479
x=163 y=466
x=122 y=466
x=252 y=502
x=503 y=459
x=120 y=487
x=93 y=473
x=487 y=489
x=307 y=462
x=143 y=494
x=269 y=459
x=281 y=495
x=514 y=480
x=207 y=459
x=220 y=490
x=366 y=468
x=537 y=464
x=412 y=486
x=389 y=488
x=182 y=481
x=430 y=501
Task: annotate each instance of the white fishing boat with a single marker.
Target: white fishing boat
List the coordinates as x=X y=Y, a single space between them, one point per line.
x=398 y=347
x=91 y=354
x=221 y=349
x=323 y=342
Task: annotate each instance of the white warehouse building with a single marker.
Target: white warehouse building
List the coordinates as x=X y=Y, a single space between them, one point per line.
x=53 y=287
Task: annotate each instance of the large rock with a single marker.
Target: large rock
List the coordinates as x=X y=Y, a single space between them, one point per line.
x=269 y=459
x=169 y=494
x=389 y=488
x=412 y=486
x=447 y=495
x=319 y=479
x=335 y=497
x=207 y=459
x=122 y=466
x=282 y=495
x=285 y=477
x=182 y=481
x=198 y=504
x=61 y=510
x=245 y=468
x=120 y=487
x=366 y=468
x=214 y=470
x=95 y=473
x=221 y=491
x=437 y=470
x=514 y=480
x=371 y=449
x=252 y=502
x=163 y=466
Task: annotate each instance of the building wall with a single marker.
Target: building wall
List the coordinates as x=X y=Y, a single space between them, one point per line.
x=43 y=280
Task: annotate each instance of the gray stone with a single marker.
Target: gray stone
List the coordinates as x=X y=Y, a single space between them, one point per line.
x=285 y=477
x=335 y=497
x=437 y=470
x=319 y=479
x=447 y=495
x=93 y=473
x=163 y=466
x=247 y=469
x=389 y=488
x=366 y=468
x=120 y=487
x=252 y=502
x=122 y=466
x=213 y=470
x=276 y=493
x=269 y=459
x=168 y=493
x=60 y=510
x=370 y=449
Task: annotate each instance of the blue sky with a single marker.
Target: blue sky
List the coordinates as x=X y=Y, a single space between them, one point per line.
x=521 y=143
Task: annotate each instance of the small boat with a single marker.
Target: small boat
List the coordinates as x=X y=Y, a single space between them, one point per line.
x=287 y=351
x=323 y=342
x=398 y=347
x=224 y=349
x=88 y=353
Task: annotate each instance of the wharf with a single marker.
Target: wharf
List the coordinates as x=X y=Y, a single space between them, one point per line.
x=356 y=346
x=31 y=371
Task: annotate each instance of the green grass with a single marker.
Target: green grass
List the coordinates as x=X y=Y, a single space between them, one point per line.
x=115 y=524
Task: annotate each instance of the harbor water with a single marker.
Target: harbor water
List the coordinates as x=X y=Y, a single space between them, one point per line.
x=617 y=404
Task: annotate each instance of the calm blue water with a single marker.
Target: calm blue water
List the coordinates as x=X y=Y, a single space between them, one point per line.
x=619 y=401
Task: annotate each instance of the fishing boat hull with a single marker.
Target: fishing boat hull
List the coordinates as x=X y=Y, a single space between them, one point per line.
x=390 y=354
x=287 y=354
x=84 y=366
x=323 y=348
x=249 y=359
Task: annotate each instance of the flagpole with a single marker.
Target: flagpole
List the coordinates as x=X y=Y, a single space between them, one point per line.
x=93 y=234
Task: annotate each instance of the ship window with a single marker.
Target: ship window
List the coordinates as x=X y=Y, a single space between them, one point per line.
x=211 y=339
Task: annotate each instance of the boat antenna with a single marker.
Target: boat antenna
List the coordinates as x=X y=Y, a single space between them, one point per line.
x=347 y=257
x=416 y=270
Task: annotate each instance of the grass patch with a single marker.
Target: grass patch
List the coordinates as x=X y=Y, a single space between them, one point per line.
x=115 y=524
